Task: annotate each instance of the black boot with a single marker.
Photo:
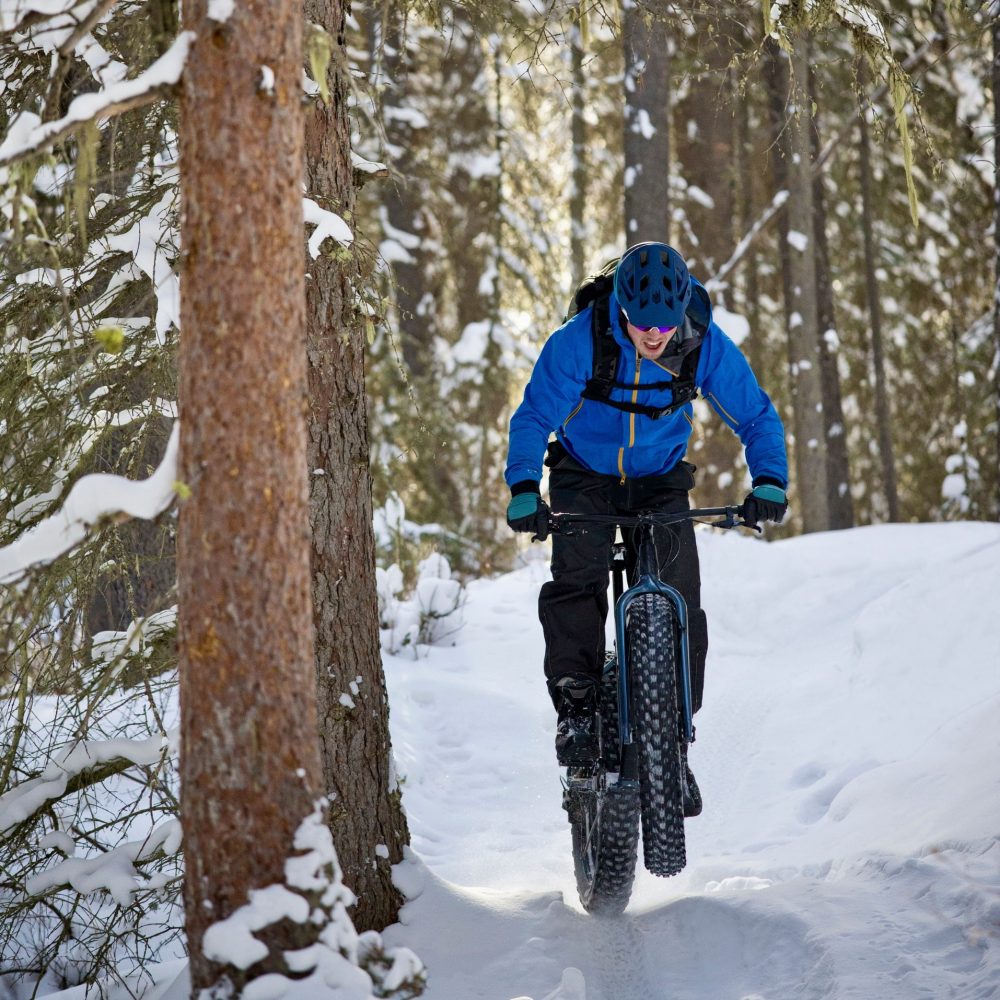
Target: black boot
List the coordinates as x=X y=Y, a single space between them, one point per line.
x=576 y=730
x=691 y=792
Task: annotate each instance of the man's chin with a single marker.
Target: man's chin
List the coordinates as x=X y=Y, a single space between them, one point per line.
x=652 y=354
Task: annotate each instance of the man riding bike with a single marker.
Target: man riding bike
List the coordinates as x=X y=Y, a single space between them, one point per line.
x=615 y=382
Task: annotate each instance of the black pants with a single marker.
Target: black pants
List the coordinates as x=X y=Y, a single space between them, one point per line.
x=573 y=605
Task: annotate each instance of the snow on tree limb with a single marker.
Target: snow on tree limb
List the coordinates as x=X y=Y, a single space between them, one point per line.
x=28 y=135
x=91 y=762
x=93 y=497
x=327 y=224
x=22 y=14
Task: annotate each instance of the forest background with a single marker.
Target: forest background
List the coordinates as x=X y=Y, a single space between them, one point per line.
x=828 y=170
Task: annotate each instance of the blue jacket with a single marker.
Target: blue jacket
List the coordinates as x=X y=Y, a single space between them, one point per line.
x=613 y=442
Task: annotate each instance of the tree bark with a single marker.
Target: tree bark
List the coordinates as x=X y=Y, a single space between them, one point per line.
x=754 y=345
x=996 y=235
x=803 y=329
x=358 y=777
x=580 y=265
x=883 y=416
x=647 y=122
x=249 y=761
x=404 y=209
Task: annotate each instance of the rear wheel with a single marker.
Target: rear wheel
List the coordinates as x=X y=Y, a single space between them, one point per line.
x=604 y=818
x=605 y=826
x=653 y=661
x=610 y=749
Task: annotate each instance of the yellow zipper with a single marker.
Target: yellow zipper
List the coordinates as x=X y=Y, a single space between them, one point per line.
x=635 y=399
x=631 y=421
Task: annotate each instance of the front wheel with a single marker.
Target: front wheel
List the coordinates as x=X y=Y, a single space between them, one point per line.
x=653 y=664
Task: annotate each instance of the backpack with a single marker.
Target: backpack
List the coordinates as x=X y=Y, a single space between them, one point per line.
x=596 y=291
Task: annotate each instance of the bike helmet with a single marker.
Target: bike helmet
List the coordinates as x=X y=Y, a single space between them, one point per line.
x=652 y=285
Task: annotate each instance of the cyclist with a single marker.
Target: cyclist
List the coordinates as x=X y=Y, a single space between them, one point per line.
x=619 y=401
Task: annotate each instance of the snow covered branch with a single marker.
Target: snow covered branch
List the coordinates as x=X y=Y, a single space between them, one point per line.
x=91 y=499
x=28 y=135
x=21 y=15
x=327 y=223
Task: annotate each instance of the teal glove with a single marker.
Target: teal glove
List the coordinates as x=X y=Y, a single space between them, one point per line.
x=527 y=511
x=766 y=502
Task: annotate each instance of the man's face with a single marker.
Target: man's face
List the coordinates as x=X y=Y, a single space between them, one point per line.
x=651 y=342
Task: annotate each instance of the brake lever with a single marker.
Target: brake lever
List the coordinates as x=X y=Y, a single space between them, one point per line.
x=550 y=529
x=731 y=521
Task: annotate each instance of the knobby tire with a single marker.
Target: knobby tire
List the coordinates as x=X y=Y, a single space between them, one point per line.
x=653 y=658
x=604 y=820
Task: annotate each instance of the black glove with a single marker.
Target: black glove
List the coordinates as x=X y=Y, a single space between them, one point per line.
x=527 y=511
x=765 y=502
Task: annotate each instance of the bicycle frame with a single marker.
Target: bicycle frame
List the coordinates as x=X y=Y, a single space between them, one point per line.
x=649 y=583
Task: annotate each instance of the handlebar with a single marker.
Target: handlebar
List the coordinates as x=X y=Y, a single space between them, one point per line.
x=570 y=523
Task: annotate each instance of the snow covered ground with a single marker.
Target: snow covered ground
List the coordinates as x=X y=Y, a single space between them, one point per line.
x=849 y=757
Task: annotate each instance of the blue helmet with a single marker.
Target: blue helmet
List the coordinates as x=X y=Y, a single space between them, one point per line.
x=652 y=285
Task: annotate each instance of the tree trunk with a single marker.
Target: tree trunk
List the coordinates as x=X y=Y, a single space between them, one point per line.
x=403 y=206
x=474 y=185
x=488 y=486
x=803 y=329
x=754 y=345
x=838 y=474
x=704 y=153
x=409 y=231
x=883 y=416
x=358 y=777
x=996 y=235
x=250 y=769
x=705 y=158
x=580 y=265
x=143 y=577
x=647 y=122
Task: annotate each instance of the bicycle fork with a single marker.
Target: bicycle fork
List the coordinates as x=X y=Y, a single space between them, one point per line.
x=648 y=584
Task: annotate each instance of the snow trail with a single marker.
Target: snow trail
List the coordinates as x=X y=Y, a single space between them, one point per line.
x=849 y=757
x=848 y=753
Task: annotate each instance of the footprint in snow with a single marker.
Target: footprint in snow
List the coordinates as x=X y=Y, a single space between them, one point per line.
x=818 y=803
x=806 y=775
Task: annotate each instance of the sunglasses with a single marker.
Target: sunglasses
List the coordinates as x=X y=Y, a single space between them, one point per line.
x=657 y=329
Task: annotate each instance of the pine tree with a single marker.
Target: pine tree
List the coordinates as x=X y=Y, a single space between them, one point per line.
x=250 y=769
x=803 y=321
x=354 y=730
